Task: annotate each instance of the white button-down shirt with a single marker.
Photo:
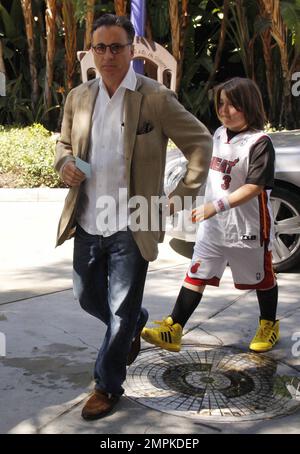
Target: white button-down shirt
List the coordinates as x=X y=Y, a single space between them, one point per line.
x=103 y=203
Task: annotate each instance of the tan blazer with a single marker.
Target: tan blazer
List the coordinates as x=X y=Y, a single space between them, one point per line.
x=145 y=153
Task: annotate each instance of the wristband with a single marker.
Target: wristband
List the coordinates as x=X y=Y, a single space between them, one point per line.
x=221 y=204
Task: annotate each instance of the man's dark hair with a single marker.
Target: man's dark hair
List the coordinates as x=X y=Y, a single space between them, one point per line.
x=245 y=96
x=108 y=20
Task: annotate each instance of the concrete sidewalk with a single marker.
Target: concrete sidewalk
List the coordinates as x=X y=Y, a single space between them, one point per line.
x=51 y=344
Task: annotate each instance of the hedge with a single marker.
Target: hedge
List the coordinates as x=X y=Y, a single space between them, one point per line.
x=27 y=156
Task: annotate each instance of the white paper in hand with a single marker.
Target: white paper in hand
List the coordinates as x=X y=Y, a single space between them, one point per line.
x=85 y=167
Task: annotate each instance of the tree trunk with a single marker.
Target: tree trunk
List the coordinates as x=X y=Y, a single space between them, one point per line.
x=120 y=7
x=148 y=25
x=244 y=33
x=2 y=71
x=175 y=28
x=267 y=50
x=150 y=69
x=2 y=65
x=68 y=14
x=279 y=32
x=41 y=33
x=89 y=23
x=295 y=63
x=271 y=10
x=179 y=24
x=184 y=23
x=50 y=18
x=175 y=34
x=27 y=13
x=220 y=46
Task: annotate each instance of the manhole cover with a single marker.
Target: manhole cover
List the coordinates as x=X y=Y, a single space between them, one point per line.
x=219 y=383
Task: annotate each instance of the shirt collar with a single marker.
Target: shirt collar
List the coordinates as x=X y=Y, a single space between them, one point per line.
x=128 y=82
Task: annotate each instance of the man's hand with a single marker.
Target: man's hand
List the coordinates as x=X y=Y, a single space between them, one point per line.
x=71 y=175
x=204 y=212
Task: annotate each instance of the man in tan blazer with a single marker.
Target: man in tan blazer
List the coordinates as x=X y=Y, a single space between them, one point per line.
x=120 y=124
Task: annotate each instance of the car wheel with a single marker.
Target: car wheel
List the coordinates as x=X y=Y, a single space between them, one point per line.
x=286 y=212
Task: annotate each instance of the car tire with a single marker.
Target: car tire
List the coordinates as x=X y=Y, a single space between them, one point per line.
x=286 y=212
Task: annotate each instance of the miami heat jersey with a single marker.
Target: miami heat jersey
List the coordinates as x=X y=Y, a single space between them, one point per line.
x=249 y=225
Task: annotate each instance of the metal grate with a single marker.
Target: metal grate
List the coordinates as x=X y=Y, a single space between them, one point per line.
x=217 y=383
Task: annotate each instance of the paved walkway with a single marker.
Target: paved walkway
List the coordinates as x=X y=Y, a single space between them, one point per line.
x=51 y=343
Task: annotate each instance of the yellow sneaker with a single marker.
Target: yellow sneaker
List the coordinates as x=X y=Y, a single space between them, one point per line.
x=167 y=336
x=266 y=336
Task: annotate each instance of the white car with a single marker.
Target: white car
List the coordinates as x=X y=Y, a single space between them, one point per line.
x=285 y=199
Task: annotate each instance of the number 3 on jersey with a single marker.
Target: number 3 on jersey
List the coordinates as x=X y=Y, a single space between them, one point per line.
x=226 y=184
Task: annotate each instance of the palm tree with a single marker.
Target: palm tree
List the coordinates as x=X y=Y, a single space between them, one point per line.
x=120 y=7
x=221 y=42
x=2 y=71
x=28 y=18
x=264 y=31
x=238 y=31
x=89 y=19
x=2 y=65
x=68 y=14
x=179 y=24
x=50 y=19
x=270 y=10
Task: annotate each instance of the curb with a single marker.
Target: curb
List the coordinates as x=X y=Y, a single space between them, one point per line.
x=33 y=195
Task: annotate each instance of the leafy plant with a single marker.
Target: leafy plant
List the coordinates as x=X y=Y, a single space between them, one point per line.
x=27 y=156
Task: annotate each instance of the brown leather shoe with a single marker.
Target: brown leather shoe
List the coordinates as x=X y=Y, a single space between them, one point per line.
x=98 y=405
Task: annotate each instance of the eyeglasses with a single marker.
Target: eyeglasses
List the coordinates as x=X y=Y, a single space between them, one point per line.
x=115 y=48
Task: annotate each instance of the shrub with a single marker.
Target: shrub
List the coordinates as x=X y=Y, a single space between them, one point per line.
x=27 y=156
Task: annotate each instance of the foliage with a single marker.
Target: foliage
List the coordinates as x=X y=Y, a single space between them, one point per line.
x=243 y=54
x=27 y=156
x=290 y=11
x=200 y=46
x=17 y=106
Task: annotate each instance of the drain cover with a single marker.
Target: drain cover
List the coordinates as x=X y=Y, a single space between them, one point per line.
x=217 y=383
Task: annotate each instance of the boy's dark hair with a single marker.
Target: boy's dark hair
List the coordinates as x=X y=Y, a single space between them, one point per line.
x=245 y=96
x=108 y=20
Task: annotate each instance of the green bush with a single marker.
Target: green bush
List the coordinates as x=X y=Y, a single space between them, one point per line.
x=27 y=156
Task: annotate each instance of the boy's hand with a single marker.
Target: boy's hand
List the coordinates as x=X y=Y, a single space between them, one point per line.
x=203 y=212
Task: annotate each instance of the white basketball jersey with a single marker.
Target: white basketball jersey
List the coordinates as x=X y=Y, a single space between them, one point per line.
x=249 y=225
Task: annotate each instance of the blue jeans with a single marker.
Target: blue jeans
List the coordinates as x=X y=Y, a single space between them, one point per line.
x=109 y=276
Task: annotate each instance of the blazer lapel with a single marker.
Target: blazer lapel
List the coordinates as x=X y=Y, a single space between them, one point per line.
x=87 y=103
x=132 y=109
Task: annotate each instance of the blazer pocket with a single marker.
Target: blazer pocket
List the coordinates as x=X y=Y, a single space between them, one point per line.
x=146 y=128
x=148 y=146
x=144 y=133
